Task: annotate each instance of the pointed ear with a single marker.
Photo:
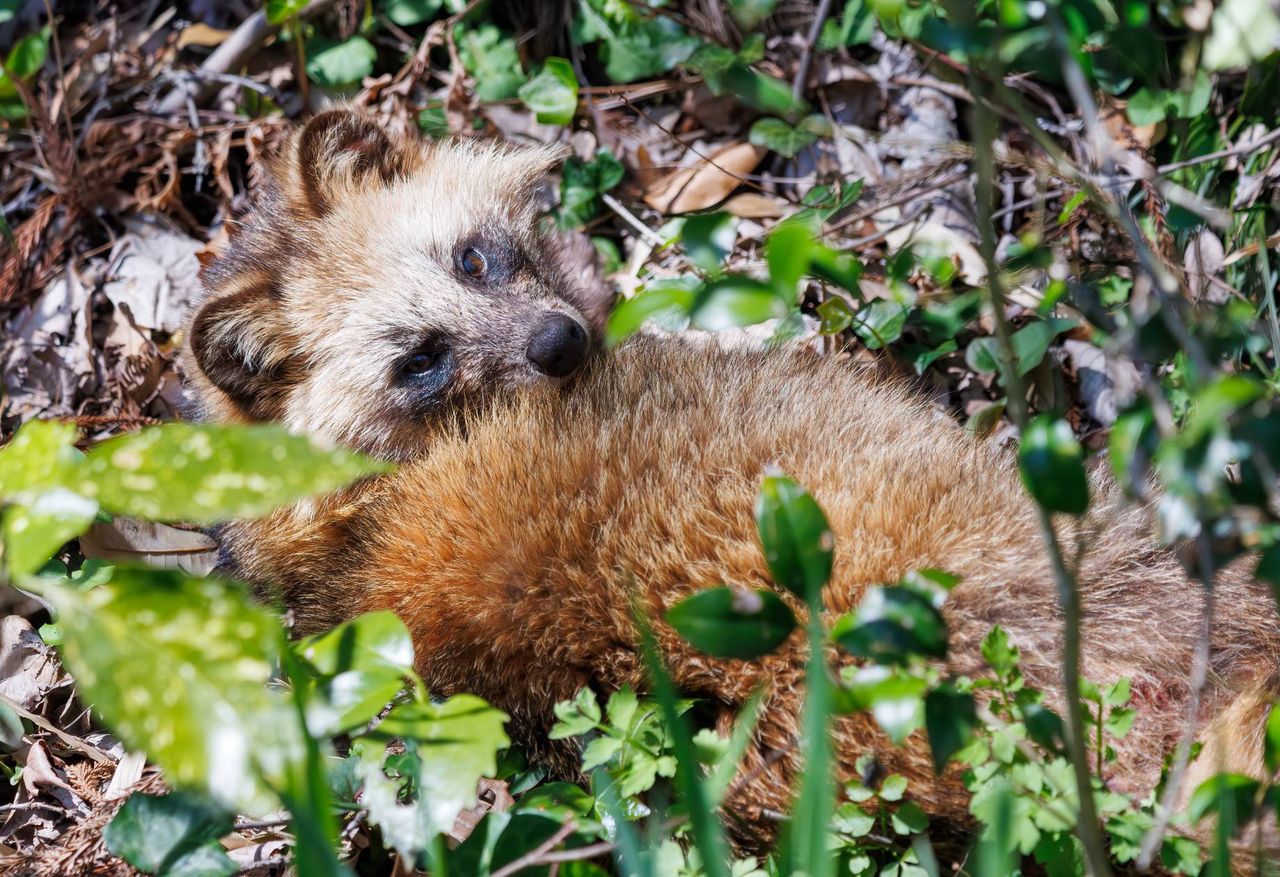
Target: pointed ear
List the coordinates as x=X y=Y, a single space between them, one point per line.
x=527 y=168
x=238 y=343
x=335 y=151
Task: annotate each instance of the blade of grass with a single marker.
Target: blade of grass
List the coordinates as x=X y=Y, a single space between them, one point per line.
x=805 y=850
x=708 y=834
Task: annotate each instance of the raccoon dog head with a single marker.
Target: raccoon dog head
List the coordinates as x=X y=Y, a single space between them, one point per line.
x=386 y=283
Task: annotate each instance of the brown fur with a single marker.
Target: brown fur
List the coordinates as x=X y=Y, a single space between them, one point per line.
x=514 y=546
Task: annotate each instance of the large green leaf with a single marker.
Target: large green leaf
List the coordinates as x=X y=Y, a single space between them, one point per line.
x=211 y=472
x=730 y=623
x=798 y=543
x=735 y=300
x=553 y=93
x=41 y=455
x=28 y=54
x=450 y=745
x=33 y=532
x=708 y=238
x=171 y=836
x=335 y=64
x=1052 y=466
x=893 y=625
x=178 y=667
x=359 y=667
x=665 y=303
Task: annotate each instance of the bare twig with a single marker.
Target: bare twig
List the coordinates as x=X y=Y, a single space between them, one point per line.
x=535 y=856
x=815 y=31
x=235 y=50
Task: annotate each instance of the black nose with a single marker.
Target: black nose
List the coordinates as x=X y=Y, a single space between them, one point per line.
x=558 y=346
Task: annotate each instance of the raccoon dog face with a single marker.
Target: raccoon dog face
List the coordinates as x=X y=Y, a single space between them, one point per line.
x=385 y=284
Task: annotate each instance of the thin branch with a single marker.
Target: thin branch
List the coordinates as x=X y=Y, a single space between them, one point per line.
x=235 y=50
x=815 y=31
x=535 y=856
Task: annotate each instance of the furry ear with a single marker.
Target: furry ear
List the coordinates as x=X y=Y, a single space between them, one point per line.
x=237 y=344
x=335 y=150
x=528 y=168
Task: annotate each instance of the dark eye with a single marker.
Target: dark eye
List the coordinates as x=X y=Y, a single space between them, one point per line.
x=422 y=362
x=473 y=263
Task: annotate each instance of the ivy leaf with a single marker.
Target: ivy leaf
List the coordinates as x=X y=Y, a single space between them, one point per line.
x=491 y=58
x=334 y=63
x=553 y=93
x=880 y=323
x=787 y=252
x=171 y=836
x=1148 y=106
x=1032 y=341
x=207 y=473
x=798 y=544
x=1052 y=465
x=178 y=667
x=787 y=140
x=734 y=301
x=582 y=183
x=729 y=623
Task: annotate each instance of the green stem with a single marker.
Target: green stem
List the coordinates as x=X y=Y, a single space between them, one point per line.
x=1068 y=594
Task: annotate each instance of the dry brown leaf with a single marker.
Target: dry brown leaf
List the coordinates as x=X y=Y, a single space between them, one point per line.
x=753 y=205
x=202 y=35
x=28 y=667
x=155 y=544
x=1202 y=260
x=706 y=183
x=38 y=771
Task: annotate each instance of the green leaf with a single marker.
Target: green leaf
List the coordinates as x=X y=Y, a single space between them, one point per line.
x=667 y=304
x=178 y=667
x=835 y=316
x=842 y=269
x=949 y=718
x=491 y=58
x=894 y=697
x=1052 y=465
x=892 y=625
x=798 y=544
x=553 y=93
x=582 y=183
x=635 y=46
x=28 y=54
x=360 y=666
x=11 y=730
x=1241 y=31
x=748 y=14
x=41 y=455
x=856 y=25
x=787 y=253
x=453 y=745
x=1131 y=443
x=171 y=836
x=1032 y=341
x=214 y=472
x=729 y=623
x=407 y=13
x=280 y=11
x=1231 y=796
x=1148 y=106
x=33 y=532
x=787 y=140
x=880 y=323
x=1271 y=742
x=708 y=238
x=734 y=301
x=335 y=64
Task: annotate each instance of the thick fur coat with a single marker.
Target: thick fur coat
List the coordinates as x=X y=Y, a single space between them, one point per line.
x=516 y=541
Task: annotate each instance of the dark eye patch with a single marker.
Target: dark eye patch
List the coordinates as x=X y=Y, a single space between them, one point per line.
x=426 y=367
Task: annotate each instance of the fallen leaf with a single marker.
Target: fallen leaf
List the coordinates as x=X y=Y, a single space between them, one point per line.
x=752 y=205
x=38 y=771
x=127 y=774
x=1202 y=259
x=126 y=539
x=706 y=183
x=200 y=34
x=28 y=667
